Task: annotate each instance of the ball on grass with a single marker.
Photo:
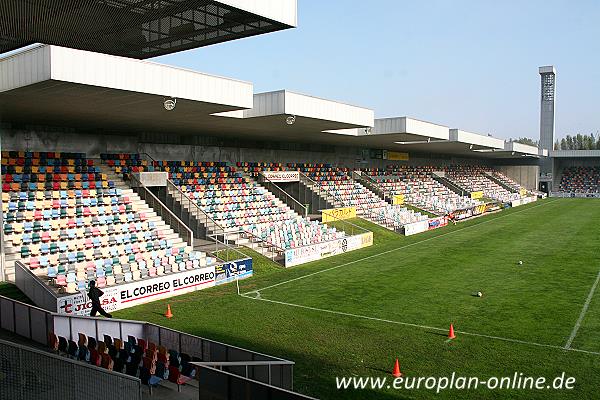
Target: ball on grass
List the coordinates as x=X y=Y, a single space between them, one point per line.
x=479 y=294
x=520 y=262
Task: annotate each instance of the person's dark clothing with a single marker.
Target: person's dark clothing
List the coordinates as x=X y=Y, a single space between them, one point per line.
x=94 y=294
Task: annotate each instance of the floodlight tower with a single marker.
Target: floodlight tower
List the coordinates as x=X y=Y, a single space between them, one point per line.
x=548 y=95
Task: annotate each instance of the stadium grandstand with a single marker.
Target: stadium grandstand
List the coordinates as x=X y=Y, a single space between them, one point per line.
x=154 y=181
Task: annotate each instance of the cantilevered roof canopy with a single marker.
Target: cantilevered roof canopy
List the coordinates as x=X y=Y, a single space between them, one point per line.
x=138 y=28
x=412 y=135
x=51 y=85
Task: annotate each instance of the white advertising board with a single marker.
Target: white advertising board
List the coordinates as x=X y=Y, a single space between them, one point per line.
x=282 y=176
x=416 y=227
x=142 y=291
x=301 y=255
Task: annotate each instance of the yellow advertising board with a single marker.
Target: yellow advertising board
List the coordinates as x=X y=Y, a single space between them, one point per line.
x=334 y=214
x=523 y=192
x=396 y=155
x=366 y=239
x=476 y=195
x=398 y=199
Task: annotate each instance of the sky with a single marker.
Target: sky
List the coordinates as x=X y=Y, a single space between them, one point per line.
x=471 y=65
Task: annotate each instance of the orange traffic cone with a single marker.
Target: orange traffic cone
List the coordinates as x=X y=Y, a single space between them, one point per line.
x=169 y=314
x=397 y=373
x=451 y=334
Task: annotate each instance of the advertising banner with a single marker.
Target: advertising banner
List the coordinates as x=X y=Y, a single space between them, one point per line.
x=334 y=214
x=463 y=214
x=480 y=209
x=397 y=156
x=153 y=178
x=282 y=176
x=438 y=222
x=527 y=200
x=492 y=207
x=398 y=199
x=416 y=227
x=476 y=195
x=230 y=271
x=301 y=255
x=143 y=291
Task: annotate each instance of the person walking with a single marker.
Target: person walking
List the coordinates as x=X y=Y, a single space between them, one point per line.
x=94 y=294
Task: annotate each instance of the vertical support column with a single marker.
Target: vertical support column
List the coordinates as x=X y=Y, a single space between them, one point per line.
x=547 y=99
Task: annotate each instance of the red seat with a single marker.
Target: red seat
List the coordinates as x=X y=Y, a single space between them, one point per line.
x=95 y=358
x=107 y=362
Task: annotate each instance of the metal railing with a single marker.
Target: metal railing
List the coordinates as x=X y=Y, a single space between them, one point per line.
x=348 y=227
x=372 y=185
x=450 y=184
x=226 y=252
x=289 y=200
x=25 y=320
x=575 y=194
x=367 y=212
x=320 y=190
x=196 y=212
x=167 y=215
x=148 y=156
x=35 y=323
x=34 y=288
x=498 y=180
x=29 y=374
x=217 y=230
x=224 y=385
x=245 y=367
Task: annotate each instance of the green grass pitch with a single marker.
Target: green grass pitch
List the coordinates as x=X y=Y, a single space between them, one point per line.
x=352 y=315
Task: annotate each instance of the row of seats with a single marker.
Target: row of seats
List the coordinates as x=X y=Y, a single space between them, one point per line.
x=420 y=189
x=580 y=180
x=296 y=232
x=237 y=203
x=126 y=164
x=507 y=181
x=321 y=172
x=43 y=155
x=79 y=227
x=136 y=357
x=115 y=271
x=56 y=185
x=245 y=204
x=255 y=168
x=473 y=179
x=370 y=205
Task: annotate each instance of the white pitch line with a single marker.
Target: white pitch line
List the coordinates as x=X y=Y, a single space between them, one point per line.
x=582 y=314
x=396 y=249
x=366 y=317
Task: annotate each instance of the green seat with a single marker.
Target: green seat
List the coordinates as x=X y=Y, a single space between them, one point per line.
x=53 y=248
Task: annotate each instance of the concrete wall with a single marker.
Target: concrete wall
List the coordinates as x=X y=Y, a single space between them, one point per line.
x=93 y=144
x=526 y=175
